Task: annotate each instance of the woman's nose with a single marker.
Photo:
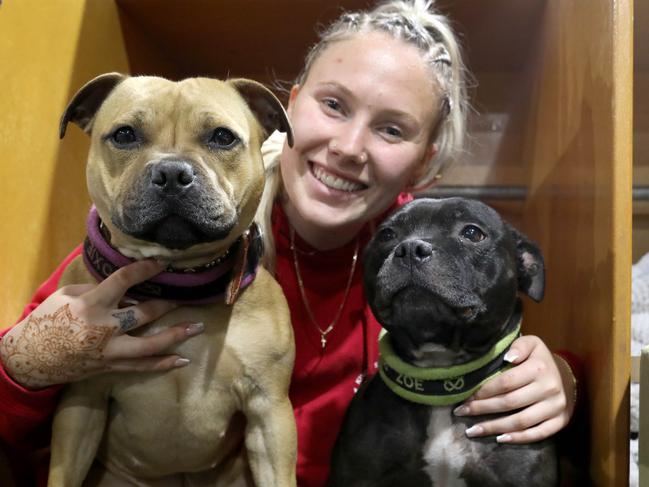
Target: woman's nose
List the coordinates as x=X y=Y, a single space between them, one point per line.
x=350 y=143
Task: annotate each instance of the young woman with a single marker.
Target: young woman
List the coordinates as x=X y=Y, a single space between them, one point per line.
x=377 y=113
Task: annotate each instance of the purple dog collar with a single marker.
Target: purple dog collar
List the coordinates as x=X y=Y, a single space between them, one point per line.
x=224 y=280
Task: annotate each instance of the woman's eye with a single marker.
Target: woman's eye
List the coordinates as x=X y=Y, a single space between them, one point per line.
x=393 y=132
x=332 y=104
x=223 y=138
x=124 y=136
x=473 y=234
x=385 y=235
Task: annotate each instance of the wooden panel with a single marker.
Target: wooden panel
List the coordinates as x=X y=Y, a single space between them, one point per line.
x=579 y=141
x=641 y=125
x=215 y=37
x=48 y=50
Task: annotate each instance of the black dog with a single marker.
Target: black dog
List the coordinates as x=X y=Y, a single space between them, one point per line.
x=442 y=277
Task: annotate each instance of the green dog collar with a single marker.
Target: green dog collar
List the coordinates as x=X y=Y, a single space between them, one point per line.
x=441 y=386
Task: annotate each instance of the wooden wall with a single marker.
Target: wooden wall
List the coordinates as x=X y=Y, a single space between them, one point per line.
x=48 y=50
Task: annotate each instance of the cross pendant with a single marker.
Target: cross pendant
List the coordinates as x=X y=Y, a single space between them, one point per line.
x=323 y=340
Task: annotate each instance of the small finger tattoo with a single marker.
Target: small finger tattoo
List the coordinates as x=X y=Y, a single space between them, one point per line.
x=127 y=320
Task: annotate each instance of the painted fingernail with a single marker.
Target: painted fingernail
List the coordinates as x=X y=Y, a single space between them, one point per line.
x=181 y=362
x=504 y=438
x=194 y=329
x=474 y=430
x=510 y=356
x=461 y=411
x=130 y=301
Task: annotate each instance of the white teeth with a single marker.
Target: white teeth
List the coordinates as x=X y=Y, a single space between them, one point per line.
x=334 y=182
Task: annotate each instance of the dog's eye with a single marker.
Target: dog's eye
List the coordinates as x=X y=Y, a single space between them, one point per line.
x=473 y=234
x=223 y=138
x=124 y=135
x=385 y=235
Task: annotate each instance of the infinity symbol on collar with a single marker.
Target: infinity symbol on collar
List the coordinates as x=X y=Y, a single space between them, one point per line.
x=451 y=385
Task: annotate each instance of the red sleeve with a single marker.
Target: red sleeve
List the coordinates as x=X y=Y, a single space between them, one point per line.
x=25 y=414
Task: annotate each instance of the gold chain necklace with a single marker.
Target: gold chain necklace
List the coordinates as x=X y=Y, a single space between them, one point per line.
x=300 y=283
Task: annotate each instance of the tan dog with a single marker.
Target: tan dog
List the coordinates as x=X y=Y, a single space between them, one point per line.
x=175 y=172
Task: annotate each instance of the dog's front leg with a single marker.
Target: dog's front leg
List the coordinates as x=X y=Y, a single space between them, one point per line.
x=76 y=433
x=271 y=440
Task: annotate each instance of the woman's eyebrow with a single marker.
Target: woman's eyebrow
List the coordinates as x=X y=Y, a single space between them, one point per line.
x=336 y=86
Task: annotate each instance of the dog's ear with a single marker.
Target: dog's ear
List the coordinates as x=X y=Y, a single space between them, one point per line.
x=530 y=266
x=84 y=105
x=266 y=107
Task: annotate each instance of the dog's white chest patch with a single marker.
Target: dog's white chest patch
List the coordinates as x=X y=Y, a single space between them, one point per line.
x=446 y=451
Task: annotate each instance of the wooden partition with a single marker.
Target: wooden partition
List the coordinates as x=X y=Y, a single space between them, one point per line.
x=568 y=157
x=580 y=143
x=48 y=50
x=551 y=143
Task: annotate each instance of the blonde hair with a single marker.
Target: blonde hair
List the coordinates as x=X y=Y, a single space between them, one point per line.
x=415 y=22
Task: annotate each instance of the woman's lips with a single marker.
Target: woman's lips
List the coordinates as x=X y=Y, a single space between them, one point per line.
x=335 y=182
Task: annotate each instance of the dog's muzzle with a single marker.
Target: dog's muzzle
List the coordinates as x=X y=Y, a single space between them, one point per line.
x=174 y=205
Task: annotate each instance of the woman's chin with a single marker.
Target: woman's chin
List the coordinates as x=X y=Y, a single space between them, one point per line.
x=333 y=218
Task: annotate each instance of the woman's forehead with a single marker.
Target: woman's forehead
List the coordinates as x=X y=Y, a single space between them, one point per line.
x=376 y=52
x=379 y=68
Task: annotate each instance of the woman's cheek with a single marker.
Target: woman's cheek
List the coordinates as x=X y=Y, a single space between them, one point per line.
x=397 y=164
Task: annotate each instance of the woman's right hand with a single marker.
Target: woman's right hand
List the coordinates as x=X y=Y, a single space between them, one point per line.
x=80 y=330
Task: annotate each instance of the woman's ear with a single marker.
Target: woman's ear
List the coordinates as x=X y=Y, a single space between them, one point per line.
x=295 y=89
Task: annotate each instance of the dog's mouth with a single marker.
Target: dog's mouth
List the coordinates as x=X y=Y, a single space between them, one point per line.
x=176 y=207
x=414 y=302
x=174 y=231
x=417 y=304
x=425 y=326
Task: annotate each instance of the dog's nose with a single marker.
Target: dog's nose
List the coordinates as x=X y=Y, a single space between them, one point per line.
x=172 y=177
x=414 y=251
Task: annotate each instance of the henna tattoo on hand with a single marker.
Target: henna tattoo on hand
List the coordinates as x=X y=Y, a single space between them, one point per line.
x=53 y=348
x=127 y=320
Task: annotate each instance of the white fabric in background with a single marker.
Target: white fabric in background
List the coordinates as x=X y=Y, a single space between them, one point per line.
x=639 y=339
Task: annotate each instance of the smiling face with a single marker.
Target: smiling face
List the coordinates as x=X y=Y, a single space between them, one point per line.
x=362 y=121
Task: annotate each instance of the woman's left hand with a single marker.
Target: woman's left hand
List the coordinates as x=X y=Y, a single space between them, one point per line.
x=540 y=387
